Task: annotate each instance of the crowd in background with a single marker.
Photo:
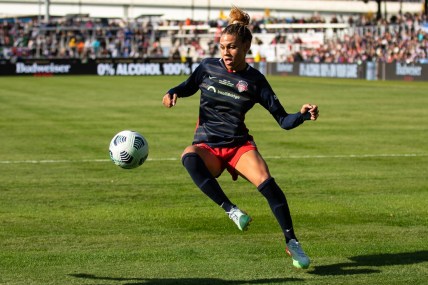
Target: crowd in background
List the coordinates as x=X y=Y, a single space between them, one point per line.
x=402 y=38
x=399 y=38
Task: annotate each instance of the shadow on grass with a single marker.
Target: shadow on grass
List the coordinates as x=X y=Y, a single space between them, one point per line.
x=184 y=281
x=359 y=264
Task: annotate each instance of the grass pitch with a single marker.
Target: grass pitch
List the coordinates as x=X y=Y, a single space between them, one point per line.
x=356 y=181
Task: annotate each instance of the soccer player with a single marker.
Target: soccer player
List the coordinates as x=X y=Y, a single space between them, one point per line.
x=229 y=88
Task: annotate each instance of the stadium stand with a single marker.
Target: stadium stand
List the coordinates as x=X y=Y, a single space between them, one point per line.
x=333 y=39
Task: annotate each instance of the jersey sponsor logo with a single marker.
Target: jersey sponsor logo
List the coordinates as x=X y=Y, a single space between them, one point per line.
x=228 y=94
x=222 y=92
x=226 y=82
x=212 y=88
x=242 y=86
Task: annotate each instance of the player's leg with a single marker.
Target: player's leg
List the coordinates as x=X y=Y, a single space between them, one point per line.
x=203 y=166
x=252 y=166
x=211 y=162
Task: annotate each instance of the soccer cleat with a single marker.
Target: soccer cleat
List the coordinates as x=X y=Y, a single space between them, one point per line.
x=241 y=219
x=300 y=259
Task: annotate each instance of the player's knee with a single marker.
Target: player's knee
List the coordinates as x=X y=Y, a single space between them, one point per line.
x=258 y=179
x=264 y=178
x=187 y=150
x=190 y=160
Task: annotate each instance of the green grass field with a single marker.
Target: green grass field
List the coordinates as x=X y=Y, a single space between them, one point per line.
x=356 y=181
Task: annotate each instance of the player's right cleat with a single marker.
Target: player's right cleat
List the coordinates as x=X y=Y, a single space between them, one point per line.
x=241 y=219
x=300 y=259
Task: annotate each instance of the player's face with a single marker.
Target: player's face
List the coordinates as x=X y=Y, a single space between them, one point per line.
x=233 y=52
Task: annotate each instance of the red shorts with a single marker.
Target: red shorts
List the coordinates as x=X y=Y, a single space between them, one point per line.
x=229 y=156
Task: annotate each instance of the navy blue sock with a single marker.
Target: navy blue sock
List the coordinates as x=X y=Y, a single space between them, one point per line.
x=279 y=206
x=202 y=177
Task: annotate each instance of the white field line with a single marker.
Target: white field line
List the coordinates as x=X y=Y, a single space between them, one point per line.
x=177 y=158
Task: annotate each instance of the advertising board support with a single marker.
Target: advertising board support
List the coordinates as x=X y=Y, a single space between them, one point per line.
x=371 y=70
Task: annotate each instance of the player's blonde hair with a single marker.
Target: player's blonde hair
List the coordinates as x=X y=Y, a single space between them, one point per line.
x=238 y=25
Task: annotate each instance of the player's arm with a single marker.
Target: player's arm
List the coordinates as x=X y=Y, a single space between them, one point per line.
x=290 y=121
x=185 y=89
x=287 y=121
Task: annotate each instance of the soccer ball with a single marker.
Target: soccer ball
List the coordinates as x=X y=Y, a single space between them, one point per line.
x=128 y=149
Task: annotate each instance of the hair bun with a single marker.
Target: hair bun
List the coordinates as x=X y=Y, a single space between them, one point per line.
x=238 y=16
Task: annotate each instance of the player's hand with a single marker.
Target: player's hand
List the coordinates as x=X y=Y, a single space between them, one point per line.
x=312 y=109
x=169 y=100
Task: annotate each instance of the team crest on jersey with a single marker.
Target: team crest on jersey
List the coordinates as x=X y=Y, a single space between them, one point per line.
x=242 y=86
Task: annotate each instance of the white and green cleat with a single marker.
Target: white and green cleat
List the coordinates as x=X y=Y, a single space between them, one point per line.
x=300 y=259
x=240 y=218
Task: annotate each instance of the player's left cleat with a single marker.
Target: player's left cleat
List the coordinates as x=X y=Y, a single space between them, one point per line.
x=240 y=218
x=300 y=259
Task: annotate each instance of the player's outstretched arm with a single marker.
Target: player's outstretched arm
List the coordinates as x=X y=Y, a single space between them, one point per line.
x=169 y=100
x=311 y=109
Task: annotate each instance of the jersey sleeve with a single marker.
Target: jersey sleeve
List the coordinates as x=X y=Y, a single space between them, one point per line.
x=290 y=121
x=270 y=102
x=191 y=85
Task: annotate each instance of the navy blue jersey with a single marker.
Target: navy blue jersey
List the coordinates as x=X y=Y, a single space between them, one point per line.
x=225 y=99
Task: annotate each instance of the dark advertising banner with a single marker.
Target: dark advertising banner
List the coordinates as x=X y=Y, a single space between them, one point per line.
x=101 y=67
x=43 y=67
x=366 y=70
x=163 y=66
x=283 y=68
x=331 y=70
x=402 y=71
x=142 y=68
